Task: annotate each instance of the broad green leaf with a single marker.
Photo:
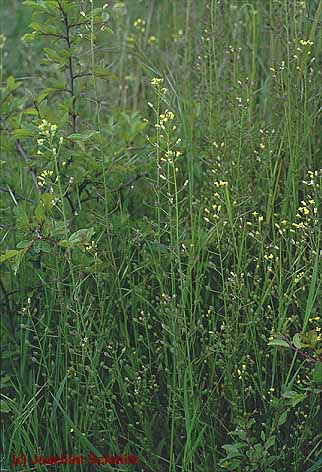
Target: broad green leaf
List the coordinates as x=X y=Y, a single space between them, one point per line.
x=232 y=448
x=82 y=235
x=30 y=111
x=18 y=259
x=23 y=244
x=9 y=254
x=41 y=6
x=270 y=442
x=29 y=37
x=297 y=341
x=85 y=136
x=58 y=228
x=282 y=419
x=289 y=394
x=36 y=26
x=294 y=397
x=44 y=94
x=300 y=397
x=12 y=84
x=278 y=342
x=103 y=73
x=41 y=246
x=64 y=243
x=46 y=29
x=52 y=54
x=21 y=133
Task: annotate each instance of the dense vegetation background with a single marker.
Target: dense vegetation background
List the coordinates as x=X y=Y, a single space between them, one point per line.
x=161 y=233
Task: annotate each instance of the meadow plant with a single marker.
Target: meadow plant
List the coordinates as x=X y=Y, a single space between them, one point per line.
x=161 y=234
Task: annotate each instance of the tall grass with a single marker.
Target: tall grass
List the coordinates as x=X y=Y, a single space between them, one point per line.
x=159 y=346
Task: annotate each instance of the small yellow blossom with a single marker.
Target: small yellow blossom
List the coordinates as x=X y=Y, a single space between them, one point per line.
x=268 y=257
x=139 y=24
x=221 y=183
x=157 y=82
x=152 y=40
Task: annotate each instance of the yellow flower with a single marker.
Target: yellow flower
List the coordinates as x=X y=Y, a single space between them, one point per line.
x=157 y=82
x=268 y=257
x=152 y=40
x=221 y=183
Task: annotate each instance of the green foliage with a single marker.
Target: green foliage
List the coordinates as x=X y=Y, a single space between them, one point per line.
x=161 y=232
x=248 y=454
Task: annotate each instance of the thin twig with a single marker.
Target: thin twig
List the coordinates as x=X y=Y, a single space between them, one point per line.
x=71 y=87
x=83 y=74
x=117 y=189
x=129 y=182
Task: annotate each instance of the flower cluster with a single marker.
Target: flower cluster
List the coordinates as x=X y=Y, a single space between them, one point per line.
x=304 y=214
x=170 y=156
x=44 y=178
x=305 y=42
x=139 y=24
x=166 y=143
x=298 y=277
x=315 y=321
x=241 y=371
x=45 y=141
x=157 y=83
x=269 y=257
x=221 y=183
x=166 y=116
x=177 y=36
x=47 y=128
x=314 y=177
x=214 y=212
x=91 y=248
x=164 y=119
